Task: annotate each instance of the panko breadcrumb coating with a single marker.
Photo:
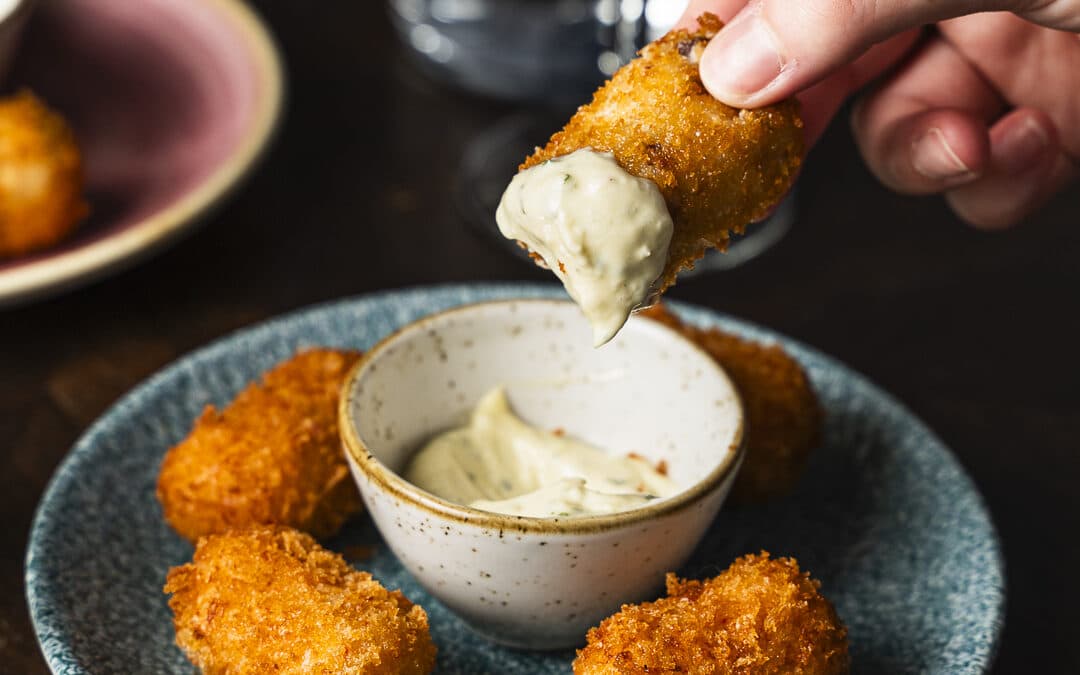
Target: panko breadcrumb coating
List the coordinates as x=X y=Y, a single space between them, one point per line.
x=271 y=600
x=783 y=418
x=759 y=616
x=273 y=455
x=718 y=168
x=41 y=177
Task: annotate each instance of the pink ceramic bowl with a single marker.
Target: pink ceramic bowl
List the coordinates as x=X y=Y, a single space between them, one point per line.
x=172 y=102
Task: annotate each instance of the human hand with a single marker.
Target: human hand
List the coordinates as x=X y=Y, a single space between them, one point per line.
x=985 y=109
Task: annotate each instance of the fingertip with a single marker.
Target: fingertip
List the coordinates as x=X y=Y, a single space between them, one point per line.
x=743 y=65
x=924 y=152
x=1022 y=139
x=1027 y=166
x=948 y=148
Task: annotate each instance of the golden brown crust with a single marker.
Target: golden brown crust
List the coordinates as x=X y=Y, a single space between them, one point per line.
x=760 y=616
x=41 y=179
x=271 y=600
x=273 y=455
x=718 y=167
x=783 y=417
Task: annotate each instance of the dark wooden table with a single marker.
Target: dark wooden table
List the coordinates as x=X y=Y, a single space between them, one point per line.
x=978 y=333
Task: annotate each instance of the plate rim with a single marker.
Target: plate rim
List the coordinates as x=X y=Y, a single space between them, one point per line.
x=62 y=271
x=64 y=471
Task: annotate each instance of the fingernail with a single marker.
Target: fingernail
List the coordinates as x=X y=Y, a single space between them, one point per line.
x=932 y=157
x=743 y=58
x=1021 y=147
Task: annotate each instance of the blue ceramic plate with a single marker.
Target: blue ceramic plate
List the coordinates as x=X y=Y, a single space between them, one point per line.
x=884 y=516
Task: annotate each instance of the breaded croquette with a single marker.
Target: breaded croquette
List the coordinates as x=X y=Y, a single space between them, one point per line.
x=271 y=600
x=759 y=616
x=41 y=178
x=783 y=417
x=273 y=455
x=717 y=167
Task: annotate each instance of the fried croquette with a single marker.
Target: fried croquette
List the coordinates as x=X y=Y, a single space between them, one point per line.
x=271 y=600
x=759 y=616
x=273 y=455
x=41 y=176
x=717 y=167
x=783 y=417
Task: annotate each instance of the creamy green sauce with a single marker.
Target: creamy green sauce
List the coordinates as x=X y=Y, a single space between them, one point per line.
x=500 y=463
x=604 y=232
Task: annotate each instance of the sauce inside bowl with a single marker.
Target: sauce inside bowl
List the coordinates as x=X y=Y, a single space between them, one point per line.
x=500 y=463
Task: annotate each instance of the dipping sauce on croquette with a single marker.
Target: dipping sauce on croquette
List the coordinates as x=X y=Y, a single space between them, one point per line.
x=500 y=463
x=601 y=230
x=685 y=172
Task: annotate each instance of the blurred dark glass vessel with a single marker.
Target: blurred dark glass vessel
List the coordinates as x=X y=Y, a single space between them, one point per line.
x=549 y=55
x=552 y=51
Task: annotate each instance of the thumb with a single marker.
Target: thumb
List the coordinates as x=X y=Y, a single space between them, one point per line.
x=775 y=48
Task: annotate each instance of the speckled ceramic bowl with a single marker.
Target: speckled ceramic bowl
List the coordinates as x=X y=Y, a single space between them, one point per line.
x=540 y=583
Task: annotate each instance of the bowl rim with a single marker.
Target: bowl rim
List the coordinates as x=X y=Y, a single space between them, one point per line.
x=18 y=10
x=389 y=481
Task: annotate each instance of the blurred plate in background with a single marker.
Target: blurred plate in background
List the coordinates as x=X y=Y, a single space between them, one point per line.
x=172 y=104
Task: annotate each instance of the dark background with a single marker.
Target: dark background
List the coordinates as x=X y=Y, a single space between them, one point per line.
x=977 y=332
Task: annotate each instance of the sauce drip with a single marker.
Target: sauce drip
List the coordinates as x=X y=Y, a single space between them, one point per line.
x=604 y=232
